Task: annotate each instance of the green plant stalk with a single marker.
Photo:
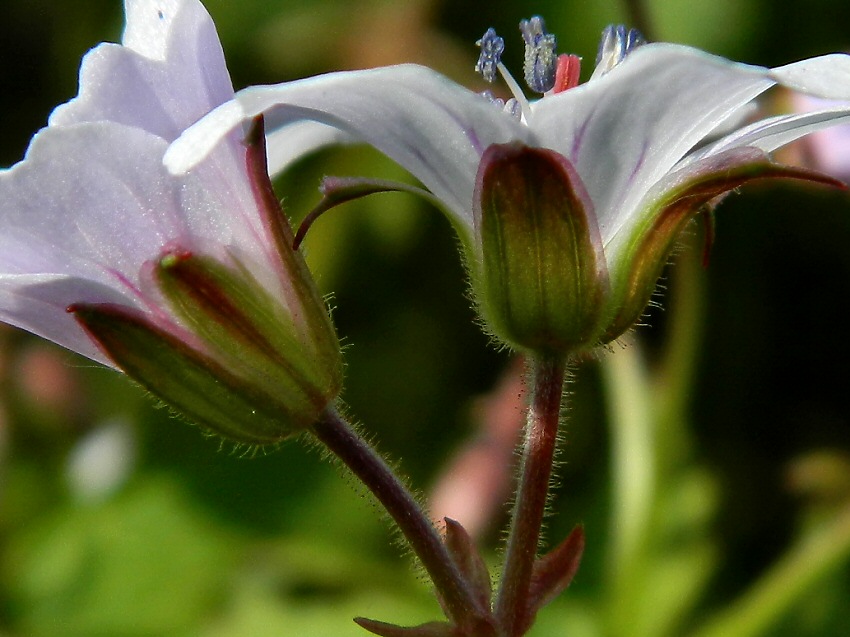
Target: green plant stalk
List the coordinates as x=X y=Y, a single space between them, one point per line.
x=633 y=469
x=816 y=555
x=532 y=496
x=370 y=468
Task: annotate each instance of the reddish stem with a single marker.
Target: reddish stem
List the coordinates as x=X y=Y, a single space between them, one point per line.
x=512 y=610
x=456 y=595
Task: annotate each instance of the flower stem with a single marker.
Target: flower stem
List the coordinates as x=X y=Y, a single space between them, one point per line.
x=456 y=596
x=512 y=610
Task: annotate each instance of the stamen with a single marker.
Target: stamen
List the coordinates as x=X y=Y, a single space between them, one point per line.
x=516 y=91
x=492 y=47
x=615 y=45
x=513 y=108
x=540 y=59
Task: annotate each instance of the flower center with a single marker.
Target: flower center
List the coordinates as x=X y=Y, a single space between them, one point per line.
x=544 y=71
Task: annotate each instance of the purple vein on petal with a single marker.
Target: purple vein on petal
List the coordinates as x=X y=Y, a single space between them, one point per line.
x=578 y=139
x=632 y=175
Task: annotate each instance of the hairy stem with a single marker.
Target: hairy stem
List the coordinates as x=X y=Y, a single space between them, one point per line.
x=512 y=611
x=344 y=442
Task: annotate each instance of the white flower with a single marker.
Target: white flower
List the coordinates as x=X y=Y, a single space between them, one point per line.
x=653 y=136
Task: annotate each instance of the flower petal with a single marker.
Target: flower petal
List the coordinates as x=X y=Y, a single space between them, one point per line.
x=87 y=201
x=433 y=127
x=92 y=202
x=624 y=131
x=287 y=145
x=169 y=72
x=38 y=303
x=826 y=76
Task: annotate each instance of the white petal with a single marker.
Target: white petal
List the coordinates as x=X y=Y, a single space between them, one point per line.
x=433 y=127
x=625 y=130
x=827 y=76
x=169 y=73
x=149 y=25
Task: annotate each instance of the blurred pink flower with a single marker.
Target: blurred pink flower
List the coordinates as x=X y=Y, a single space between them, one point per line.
x=825 y=150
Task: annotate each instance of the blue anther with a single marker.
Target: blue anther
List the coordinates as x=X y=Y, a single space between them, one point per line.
x=492 y=47
x=540 y=57
x=617 y=42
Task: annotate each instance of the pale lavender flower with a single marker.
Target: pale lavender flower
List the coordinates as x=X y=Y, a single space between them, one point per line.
x=106 y=253
x=656 y=134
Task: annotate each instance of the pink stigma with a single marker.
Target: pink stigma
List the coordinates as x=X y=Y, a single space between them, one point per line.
x=567 y=73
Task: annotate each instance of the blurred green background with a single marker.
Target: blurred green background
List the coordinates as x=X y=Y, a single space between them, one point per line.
x=709 y=462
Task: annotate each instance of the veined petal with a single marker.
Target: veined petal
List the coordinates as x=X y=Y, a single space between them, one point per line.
x=625 y=130
x=169 y=72
x=87 y=201
x=433 y=127
x=92 y=202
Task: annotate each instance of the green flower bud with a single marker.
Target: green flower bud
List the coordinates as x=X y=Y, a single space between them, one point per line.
x=238 y=363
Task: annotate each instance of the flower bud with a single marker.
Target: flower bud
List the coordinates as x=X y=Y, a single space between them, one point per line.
x=238 y=363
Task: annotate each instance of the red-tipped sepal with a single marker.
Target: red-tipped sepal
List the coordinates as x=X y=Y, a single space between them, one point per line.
x=636 y=262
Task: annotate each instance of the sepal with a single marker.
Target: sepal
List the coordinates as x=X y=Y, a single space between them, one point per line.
x=637 y=265
x=540 y=275
x=190 y=381
x=246 y=328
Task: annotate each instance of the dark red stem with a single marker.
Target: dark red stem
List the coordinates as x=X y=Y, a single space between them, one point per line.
x=512 y=607
x=344 y=442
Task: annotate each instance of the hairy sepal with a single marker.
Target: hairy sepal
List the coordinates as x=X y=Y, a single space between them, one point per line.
x=540 y=274
x=636 y=266
x=190 y=381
